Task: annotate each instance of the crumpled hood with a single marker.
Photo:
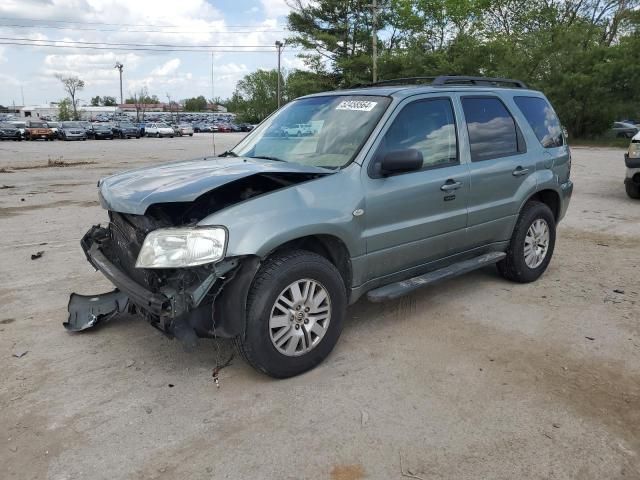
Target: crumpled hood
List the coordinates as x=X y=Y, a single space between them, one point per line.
x=136 y=190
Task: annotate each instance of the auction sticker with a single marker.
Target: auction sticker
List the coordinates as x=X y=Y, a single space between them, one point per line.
x=357 y=105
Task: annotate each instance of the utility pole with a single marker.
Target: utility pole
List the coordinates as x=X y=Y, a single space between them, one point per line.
x=279 y=46
x=374 y=38
x=120 y=66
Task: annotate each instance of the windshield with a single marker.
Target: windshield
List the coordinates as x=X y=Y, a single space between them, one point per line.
x=317 y=131
x=38 y=125
x=162 y=125
x=71 y=125
x=127 y=125
x=7 y=125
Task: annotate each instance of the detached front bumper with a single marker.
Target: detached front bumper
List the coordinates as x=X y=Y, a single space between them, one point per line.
x=181 y=305
x=87 y=311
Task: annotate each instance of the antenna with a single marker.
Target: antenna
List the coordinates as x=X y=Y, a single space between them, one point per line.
x=213 y=133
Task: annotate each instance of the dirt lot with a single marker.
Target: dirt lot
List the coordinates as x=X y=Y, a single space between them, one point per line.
x=476 y=378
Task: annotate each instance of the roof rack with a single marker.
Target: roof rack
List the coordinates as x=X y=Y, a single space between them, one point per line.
x=447 y=80
x=462 y=80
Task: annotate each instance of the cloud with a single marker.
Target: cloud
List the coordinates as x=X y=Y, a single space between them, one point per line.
x=275 y=8
x=194 y=22
x=167 y=69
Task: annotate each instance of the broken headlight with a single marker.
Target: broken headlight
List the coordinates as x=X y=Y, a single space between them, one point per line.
x=182 y=247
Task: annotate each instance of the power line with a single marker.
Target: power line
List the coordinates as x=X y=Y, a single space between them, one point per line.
x=54 y=27
x=172 y=45
x=104 y=23
x=86 y=47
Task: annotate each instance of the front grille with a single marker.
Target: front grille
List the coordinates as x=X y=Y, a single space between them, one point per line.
x=127 y=235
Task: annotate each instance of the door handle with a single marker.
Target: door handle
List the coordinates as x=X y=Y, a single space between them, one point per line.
x=519 y=171
x=450 y=185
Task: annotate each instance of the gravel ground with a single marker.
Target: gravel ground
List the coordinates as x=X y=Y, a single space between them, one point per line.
x=475 y=378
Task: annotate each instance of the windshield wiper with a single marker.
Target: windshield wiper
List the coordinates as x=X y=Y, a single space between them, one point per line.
x=228 y=153
x=265 y=157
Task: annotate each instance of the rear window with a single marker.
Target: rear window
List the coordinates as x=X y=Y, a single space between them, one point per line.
x=492 y=129
x=542 y=119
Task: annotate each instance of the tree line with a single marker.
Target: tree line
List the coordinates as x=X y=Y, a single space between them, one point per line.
x=583 y=54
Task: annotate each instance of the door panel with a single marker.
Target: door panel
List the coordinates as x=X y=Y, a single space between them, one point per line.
x=500 y=173
x=416 y=217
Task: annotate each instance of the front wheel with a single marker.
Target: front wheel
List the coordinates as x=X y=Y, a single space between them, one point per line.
x=295 y=311
x=532 y=244
x=633 y=190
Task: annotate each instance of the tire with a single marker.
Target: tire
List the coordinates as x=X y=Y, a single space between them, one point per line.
x=633 y=190
x=271 y=282
x=158 y=135
x=514 y=267
x=191 y=134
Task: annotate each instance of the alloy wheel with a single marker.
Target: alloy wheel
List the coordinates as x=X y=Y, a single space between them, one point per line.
x=300 y=317
x=536 y=243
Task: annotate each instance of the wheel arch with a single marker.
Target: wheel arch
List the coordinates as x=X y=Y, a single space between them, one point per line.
x=230 y=304
x=328 y=246
x=550 y=198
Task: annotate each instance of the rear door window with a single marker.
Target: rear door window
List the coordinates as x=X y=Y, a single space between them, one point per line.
x=493 y=132
x=543 y=120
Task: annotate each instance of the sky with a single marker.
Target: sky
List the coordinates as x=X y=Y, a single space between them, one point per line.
x=239 y=25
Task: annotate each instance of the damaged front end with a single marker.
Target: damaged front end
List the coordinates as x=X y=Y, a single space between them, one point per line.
x=178 y=301
x=194 y=295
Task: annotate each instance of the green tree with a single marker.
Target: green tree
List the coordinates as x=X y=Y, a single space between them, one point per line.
x=73 y=85
x=64 y=110
x=195 y=104
x=579 y=53
x=255 y=96
x=96 y=101
x=109 y=101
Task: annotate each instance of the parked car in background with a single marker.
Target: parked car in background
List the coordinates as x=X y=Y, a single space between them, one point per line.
x=159 y=129
x=72 y=131
x=623 y=129
x=223 y=128
x=184 y=129
x=202 y=128
x=245 y=127
x=632 y=162
x=55 y=127
x=22 y=126
x=125 y=130
x=9 y=131
x=100 y=131
x=298 y=130
x=36 y=130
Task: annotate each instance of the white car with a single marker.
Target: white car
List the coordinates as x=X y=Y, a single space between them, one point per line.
x=632 y=161
x=159 y=130
x=299 y=130
x=184 y=129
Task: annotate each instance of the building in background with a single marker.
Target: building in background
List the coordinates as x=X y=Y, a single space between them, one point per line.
x=49 y=111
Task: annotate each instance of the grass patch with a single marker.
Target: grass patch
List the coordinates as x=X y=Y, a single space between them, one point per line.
x=51 y=163
x=600 y=142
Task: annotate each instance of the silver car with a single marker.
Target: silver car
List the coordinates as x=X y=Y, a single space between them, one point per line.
x=71 y=131
x=624 y=129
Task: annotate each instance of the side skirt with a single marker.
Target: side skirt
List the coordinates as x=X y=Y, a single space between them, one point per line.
x=399 y=289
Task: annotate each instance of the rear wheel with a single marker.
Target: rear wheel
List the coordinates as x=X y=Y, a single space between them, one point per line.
x=158 y=135
x=532 y=244
x=295 y=311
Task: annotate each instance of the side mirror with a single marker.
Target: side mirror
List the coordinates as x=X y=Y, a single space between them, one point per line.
x=400 y=161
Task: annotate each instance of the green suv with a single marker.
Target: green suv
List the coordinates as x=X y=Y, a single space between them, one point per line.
x=400 y=185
